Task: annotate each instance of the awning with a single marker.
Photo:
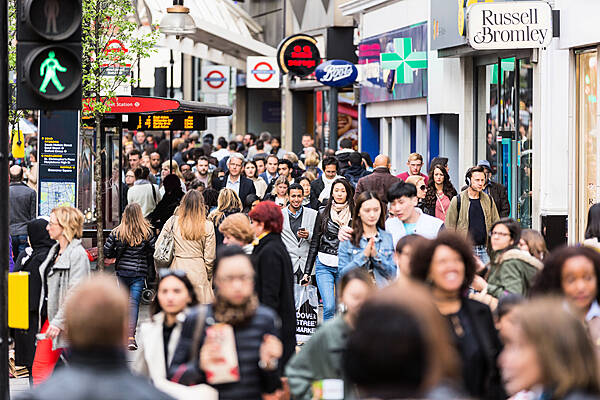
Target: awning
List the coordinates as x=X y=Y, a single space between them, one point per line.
x=225 y=33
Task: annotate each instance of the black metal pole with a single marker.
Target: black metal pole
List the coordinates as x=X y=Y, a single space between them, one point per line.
x=172 y=62
x=4 y=253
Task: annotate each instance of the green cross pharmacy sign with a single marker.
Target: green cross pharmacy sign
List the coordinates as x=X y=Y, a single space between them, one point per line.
x=404 y=60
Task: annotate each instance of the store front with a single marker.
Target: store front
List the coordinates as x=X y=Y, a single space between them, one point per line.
x=501 y=79
x=587 y=141
x=504 y=126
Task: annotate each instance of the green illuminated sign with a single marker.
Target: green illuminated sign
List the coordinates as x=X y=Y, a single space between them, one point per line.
x=48 y=70
x=404 y=60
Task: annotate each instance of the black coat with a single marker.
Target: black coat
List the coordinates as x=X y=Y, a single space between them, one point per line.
x=324 y=241
x=30 y=261
x=275 y=287
x=316 y=187
x=95 y=375
x=164 y=209
x=135 y=260
x=488 y=386
x=248 y=339
x=246 y=186
x=499 y=193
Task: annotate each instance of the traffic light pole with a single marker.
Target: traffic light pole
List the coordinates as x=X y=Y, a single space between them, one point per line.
x=4 y=253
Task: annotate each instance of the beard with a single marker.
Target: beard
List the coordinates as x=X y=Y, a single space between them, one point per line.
x=235 y=314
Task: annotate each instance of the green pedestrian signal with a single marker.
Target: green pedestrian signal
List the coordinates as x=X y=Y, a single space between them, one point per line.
x=48 y=71
x=49 y=66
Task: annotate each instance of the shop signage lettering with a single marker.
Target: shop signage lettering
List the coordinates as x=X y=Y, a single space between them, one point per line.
x=298 y=55
x=509 y=25
x=337 y=73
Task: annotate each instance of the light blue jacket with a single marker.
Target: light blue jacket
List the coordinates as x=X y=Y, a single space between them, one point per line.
x=384 y=268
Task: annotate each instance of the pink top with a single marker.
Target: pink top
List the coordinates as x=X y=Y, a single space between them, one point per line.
x=405 y=176
x=441 y=206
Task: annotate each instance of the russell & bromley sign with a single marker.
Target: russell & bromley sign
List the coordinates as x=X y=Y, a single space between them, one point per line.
x=509 y=25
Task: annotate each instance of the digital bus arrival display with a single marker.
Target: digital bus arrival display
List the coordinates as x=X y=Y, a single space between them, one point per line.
x=166 y=121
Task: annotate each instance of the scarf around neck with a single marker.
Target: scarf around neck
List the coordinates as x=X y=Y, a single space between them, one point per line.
x=232 y=314
x=340 y=213
x=327 y=188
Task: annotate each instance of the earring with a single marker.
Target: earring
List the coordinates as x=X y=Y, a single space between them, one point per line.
x=342 y=308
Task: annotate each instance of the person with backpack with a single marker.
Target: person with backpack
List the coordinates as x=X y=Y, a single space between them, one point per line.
x=132 y=244
x=472 y=213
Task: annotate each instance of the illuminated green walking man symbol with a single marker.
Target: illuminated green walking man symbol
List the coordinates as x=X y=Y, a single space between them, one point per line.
x=48 y=71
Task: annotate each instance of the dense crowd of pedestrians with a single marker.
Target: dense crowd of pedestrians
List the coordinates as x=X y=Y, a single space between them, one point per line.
x=426 y=291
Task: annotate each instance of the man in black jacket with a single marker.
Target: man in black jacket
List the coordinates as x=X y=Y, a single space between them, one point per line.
x=320 y=188
x=234 y=180
x=497 y=191
x=96 y=319
x=355 y=170
x=22 y=201
x=255 y=328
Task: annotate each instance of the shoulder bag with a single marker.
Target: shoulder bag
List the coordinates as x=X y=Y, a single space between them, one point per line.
x=165 y=246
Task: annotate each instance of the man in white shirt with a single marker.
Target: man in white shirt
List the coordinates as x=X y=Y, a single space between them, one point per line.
x=144 y=193
x=408 y=218
x=222 y=151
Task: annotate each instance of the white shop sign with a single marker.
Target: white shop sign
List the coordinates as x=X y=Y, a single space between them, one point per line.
x=509 y=25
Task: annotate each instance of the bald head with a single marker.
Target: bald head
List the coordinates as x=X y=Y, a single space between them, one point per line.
x=381 y=161
x=16 y=173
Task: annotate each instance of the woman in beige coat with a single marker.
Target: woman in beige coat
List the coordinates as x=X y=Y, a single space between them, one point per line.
x=194 y=244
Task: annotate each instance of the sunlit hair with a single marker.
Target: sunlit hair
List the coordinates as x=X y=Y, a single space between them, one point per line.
x=192 y=216
x=228 y=200
x=134 y=228
x=238 y=226
x=71 y=221
x=312 y=159
x=174 y=168
x=566 y=355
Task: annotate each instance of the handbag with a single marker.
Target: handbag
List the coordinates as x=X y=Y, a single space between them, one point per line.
x=165 y=247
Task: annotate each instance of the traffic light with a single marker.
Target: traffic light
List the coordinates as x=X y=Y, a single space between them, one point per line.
x=49 y=54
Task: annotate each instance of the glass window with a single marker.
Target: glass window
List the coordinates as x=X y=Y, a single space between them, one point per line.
x=524 y=143
x=587 y=103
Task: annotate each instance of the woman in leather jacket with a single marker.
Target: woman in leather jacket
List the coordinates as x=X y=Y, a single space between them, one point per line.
x=132 y=244
x=324 y=244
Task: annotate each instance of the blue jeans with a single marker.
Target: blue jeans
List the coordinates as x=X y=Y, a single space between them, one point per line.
x=135 y=286
x=327 y=278
x=19 y=244
x=481 y=253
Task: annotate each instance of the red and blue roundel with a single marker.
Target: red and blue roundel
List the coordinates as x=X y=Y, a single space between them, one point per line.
x=337 y=73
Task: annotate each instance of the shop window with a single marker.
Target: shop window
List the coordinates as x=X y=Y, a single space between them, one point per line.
x=587 y=133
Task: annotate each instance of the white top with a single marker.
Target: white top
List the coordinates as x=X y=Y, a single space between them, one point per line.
x=328 y=259
x=427 y=226
x=220 y=154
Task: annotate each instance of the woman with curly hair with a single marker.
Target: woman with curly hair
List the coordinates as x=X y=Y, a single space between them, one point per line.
x=448 y=266
x=440 y=192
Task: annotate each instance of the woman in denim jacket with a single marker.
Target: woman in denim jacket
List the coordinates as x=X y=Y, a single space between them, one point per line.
x=370 y=247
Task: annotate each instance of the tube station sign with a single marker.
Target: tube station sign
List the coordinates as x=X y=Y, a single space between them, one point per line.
x=509 y=25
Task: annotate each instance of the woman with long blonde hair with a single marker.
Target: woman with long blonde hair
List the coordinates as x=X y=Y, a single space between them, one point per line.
x=131 y=243
x=194 y=243
x=228 y=203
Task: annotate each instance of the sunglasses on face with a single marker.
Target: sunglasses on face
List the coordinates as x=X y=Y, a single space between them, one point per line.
x=166 y=272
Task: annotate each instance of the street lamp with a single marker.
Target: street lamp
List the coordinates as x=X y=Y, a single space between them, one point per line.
x=178 y=21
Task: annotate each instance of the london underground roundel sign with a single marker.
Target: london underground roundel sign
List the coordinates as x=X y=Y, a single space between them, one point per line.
x=336 y=73
x=262 y=72
x=215 y=79
x=298 y=55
